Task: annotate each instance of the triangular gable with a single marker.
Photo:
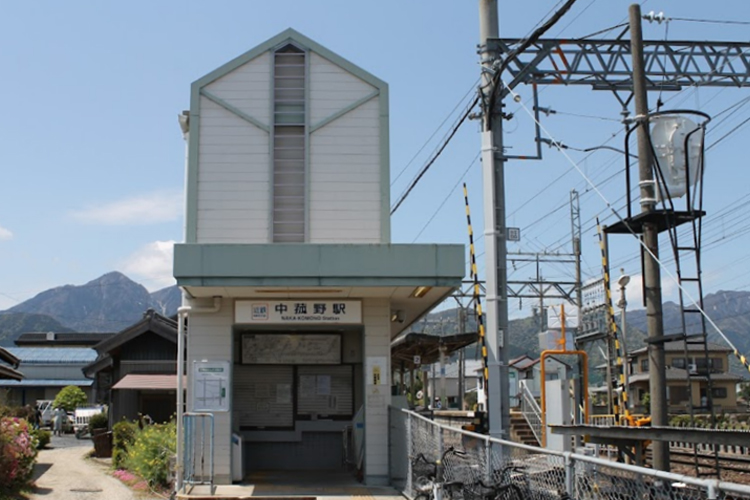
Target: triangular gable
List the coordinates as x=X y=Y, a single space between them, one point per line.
x=287 y=36
x=152 y=322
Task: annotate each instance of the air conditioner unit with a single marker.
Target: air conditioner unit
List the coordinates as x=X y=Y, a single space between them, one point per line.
x=692 y=368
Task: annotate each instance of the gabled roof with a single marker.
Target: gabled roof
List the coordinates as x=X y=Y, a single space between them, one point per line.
x=8 y=373
x=9 y=357
x=289 y=35
x=679 y=346
x=41 y=339
x=151 y=322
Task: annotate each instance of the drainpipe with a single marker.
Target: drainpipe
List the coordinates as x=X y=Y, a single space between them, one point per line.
x=182 y=315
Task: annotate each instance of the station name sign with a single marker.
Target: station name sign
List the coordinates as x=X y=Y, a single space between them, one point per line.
x=276 y=312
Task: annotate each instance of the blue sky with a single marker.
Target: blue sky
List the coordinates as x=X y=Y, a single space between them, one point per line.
x=92 y=157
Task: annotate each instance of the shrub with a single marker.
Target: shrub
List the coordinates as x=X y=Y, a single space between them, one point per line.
x=42 y=437
x=69 y=398
x=150 y=454
x=123 y=437
x=17 y=455
x=99 y=421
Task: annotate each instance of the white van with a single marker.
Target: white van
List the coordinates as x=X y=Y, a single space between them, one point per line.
x=45 y=407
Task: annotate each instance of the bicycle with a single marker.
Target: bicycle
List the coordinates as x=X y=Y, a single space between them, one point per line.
x=430 y=483
x=503 y=488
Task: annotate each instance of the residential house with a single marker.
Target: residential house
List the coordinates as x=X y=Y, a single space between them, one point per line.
x=723 y=382
x=135 y=372
x=46 y=370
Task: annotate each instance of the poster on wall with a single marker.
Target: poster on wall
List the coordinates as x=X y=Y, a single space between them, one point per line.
x=210 y=386
x=376 y=370
x=291 y=349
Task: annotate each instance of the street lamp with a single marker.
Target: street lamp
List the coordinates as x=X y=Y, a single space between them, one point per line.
x=623 y=281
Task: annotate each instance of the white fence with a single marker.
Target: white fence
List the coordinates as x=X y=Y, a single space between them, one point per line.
x=545 y=474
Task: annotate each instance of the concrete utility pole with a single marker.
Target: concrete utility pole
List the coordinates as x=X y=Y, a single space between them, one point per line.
x=461 y=360
x=651 y=271
x=493 y=173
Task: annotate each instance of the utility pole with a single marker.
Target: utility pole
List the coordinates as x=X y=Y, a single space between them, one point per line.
x=461 y=359
x=651 y=271
x=493 y=179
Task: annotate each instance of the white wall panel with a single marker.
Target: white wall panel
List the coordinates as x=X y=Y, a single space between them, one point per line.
x=233 y=179
x=210 y=337
x=376 y=318
x=247 y=88
x=332 y=88
x=345 y=178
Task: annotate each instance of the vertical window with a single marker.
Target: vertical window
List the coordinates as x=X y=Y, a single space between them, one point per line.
x=644 y=365
x=289 y=145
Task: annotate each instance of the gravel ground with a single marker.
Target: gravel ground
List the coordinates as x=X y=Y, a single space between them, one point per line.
x=63 y=473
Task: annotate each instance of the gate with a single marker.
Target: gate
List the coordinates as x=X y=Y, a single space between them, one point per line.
x=198 y=455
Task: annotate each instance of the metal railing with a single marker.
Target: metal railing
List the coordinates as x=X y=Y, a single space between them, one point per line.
x=198 y=452
x=544 y=474
x=531 y=410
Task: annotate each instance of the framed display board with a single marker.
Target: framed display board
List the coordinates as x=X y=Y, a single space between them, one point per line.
x=291 y=349
x=210 y=386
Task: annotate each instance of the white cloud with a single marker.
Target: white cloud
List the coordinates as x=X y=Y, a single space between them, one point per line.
x=149 y=208
x=151 y=265
x=5 y=234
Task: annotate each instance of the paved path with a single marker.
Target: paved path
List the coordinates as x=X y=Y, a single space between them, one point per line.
x=63 y=473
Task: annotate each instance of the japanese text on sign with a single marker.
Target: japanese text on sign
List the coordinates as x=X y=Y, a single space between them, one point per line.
x=298 y=311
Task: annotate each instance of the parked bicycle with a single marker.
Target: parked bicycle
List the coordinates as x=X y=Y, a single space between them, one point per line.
x=504 y=486
x=428 y=478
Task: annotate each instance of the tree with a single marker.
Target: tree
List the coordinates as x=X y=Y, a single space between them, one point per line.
x=646 y=402
x=744 y=392
x=69 y=398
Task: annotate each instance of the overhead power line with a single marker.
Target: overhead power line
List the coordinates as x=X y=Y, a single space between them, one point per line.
x=435 y=156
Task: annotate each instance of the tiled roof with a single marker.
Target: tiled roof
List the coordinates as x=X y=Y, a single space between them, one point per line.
x=40 y=382
x=679 y=346
x=63 y=338
x=681 y=374
x=53 y=355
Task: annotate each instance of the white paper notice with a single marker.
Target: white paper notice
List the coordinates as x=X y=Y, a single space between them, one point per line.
x=323 y=386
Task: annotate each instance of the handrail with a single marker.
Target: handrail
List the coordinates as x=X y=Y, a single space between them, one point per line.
x=531 y=411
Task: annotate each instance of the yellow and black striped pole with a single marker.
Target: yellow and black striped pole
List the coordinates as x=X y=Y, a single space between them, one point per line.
x=480 y=319
x=620 y=396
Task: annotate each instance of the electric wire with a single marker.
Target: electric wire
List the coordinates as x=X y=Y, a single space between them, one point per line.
x=435 y=156
x=447 y=197
x=456 y=107
x=709 y=21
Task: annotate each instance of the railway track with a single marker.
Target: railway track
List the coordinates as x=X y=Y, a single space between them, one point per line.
x=706 y=461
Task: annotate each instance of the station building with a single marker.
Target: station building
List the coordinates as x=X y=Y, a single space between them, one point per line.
x=295 y=287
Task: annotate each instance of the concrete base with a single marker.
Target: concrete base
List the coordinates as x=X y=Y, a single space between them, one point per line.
x=299 y=486
x=377 y=481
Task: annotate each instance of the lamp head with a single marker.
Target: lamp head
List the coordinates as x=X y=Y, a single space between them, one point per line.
x=623 y=280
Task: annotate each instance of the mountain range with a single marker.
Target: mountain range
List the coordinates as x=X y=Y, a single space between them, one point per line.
x=113 y=302
x=109 y=303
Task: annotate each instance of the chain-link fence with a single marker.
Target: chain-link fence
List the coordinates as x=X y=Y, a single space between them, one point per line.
x=536 y=473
